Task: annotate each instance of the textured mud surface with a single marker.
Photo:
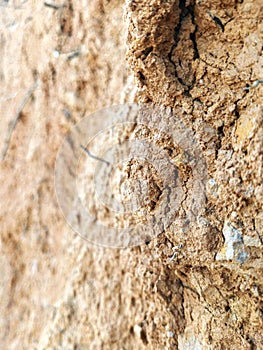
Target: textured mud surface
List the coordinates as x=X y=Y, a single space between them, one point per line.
x=199 y=288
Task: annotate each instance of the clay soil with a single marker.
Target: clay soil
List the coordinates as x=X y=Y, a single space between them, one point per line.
x=187 y=289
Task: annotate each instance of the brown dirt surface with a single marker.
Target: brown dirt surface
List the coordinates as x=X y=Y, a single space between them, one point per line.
x=192 y=287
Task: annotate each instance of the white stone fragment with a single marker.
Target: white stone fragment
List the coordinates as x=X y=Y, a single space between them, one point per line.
x=234 y=248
